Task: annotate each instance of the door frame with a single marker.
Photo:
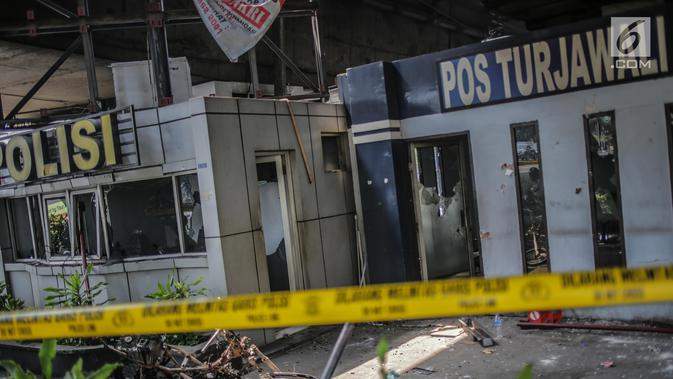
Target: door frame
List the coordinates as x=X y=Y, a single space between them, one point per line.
x=288 y=211
x=592 y=195
x=463 y=141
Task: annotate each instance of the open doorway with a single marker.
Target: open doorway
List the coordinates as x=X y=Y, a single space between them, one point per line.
x=446 y=213
x=278 y=224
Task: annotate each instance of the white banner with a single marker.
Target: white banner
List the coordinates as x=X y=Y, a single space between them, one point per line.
x=238 y=25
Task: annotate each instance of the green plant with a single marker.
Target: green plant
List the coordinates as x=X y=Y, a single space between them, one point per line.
x=59 y=233
x=46 y=355
x=175 y=289
x=527 y=372
x=381 y=352
x=8 y=302
x=75 y=293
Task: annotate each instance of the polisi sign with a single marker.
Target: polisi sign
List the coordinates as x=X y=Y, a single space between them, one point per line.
x=84 y=145
x=628 y=49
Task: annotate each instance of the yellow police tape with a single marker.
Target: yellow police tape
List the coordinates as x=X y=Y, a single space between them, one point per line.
x=441 y=298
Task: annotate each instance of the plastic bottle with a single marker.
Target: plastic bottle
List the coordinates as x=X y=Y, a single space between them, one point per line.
x=497 y=323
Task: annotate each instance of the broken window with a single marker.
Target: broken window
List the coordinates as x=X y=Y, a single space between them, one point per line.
x=530 y=187
x=141 y=218
x=38 y=234
x=23 y=239
x=5 y=239
x=192 y=219
x=605 y=190
x=272 y=225
x=332 y=152
x=58 y=227
x=88 y=223
x=669 y=130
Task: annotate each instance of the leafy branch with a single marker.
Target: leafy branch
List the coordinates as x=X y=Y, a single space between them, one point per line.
x=46 y=355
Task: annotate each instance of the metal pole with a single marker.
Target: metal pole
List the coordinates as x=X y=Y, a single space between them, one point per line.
x=283 y=66
x=254 y=75
x=319 y=59
x=158 y=51
x=82 y=244
x=280 y=68
x=290 y=64
x=89 y=58
x=36 y=87
x=101 y=24
x=346 y=329
x=57 y=8
x=335 y=355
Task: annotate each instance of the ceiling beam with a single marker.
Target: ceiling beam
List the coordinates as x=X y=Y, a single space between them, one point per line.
x=57 y=8
x=433 y=18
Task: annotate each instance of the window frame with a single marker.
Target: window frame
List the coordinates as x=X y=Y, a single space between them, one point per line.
x=38 y=199
x=341 y=153
x=668 y=108
x=178 y=209
x=7 y=217
x=590 y=184
x=101 y=245
x=519 y=203
x=45 y=224
x=12 y=228
x=103 y=248
x=178 y=213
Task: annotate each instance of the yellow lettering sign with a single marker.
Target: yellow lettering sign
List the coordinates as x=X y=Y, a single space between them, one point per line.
x=20 y=159
x=85 y=145
x=43 y=169
x=110 y=141
x=64 y=148
x=89 y=157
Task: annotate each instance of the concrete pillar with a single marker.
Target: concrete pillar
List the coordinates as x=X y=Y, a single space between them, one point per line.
x=371 y=98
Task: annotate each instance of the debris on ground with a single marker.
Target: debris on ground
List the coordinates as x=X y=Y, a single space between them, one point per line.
x=608 y=364
x=449 y=331
x=422 y=371
x=478 y=333
x=562 y=353
x=225 y=355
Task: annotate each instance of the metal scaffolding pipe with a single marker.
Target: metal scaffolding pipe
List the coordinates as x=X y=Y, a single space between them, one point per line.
x=57 y=8
x=335 y=355
x=288 y=61
x=89 y=57
x=254 y=74
x=100 y=24
x=36 y=87
x=158 y=52
x=280 y=66
x=319 y=58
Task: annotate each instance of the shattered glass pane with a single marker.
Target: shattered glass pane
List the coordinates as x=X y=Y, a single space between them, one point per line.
x=531 y=198
x=442 y=210
x=606 y=196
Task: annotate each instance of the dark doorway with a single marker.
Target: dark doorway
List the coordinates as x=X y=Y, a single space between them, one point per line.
x=445 y=209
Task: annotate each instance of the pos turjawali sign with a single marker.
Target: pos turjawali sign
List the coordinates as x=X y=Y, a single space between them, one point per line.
x=81 y=146
x=237 y=25
x=616 y=50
